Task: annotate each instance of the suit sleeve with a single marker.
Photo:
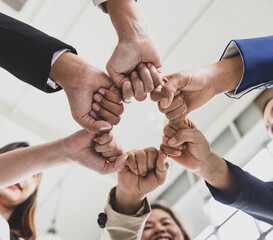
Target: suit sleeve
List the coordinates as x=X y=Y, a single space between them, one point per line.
x=27 y=52
x=257 y=56
x=121 y=226
x=255 y=197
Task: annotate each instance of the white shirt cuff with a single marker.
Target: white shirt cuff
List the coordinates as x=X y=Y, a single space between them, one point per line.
x=57 y=54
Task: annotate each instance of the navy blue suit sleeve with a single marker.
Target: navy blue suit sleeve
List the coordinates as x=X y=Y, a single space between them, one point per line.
x=27 y=52
x=255 y=198
x=257 y=56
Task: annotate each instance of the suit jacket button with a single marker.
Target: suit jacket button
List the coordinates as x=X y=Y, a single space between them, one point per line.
x=102 y=219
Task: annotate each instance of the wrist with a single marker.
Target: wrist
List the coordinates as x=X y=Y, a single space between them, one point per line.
x=127 y=203
x=127 y=20
x=68 y=66
x=211 y=168
x=227 y=74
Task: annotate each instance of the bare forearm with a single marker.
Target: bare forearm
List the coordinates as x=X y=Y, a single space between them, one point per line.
x=22 y=163
x=127 y=19
x=219 y=175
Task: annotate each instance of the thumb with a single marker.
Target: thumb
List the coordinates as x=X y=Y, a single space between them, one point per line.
x=117 y=78
x=169 y=89
x=162 y=167
x=186 y=135
x=115 y=166
x=94 y=126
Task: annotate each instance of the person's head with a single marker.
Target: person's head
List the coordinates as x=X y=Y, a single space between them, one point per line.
x=268 y=116
x=163 y=224
x=21 y=200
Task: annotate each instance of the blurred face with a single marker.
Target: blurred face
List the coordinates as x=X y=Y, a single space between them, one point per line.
x=268 y=118
x=161 y=226
x=12 y=196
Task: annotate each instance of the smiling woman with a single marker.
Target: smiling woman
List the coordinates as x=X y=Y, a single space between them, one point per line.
x=18 y=203
x=163 y=224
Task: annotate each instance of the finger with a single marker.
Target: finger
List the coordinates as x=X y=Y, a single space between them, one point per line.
x=112 y=107
x=138 y=87
x=189 y=123
x=162 y=168
x=104 y=138
x=177 y=102
x=112 y=159
x=185 y=136
x=161 y=163
x=127 y=92
x=141 y=159
x=169 y=89
x=131 y=162
x=151 y=157
x=94 y=126
x=146 y=77
x=165 y=142
x=105 y=114
x=180 y=123
x=179 y=113
x=108 y=147
x=156 y=76
x=156 y=94
x=113 y=95
x=168 y=131
x=118 y=78
x=114 y=166
x=170 y=151
x=112 y=153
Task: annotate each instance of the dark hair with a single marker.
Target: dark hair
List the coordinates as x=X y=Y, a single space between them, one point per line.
x=22 y=220
x=168 y=210
x=267 y=101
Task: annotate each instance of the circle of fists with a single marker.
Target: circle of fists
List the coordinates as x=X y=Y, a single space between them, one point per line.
x=147 y=169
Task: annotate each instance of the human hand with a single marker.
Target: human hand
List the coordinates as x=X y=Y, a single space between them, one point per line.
x=108 y=105
x=109 y=147
x=198 y=86
x=136 y=86
x=187 y=146
x=80 y=81
x=135 y=46
x=81 y=149
x=145 y=171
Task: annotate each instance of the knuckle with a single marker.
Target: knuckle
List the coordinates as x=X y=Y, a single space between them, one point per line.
x=115 y=120
x=149 y=88
x=141 y=97
x=120 y=109
x=169 y=115
x=166 y=130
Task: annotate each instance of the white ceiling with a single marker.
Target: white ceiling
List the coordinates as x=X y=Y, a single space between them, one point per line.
x=189 y=34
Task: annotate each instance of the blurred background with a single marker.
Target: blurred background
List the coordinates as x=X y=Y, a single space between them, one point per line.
x=189 y=34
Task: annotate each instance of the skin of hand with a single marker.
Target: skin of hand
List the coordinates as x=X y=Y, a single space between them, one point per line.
x=196 y=155
x=145 y=171
x=109 y=147
x=80 y=81
x=82 y=148
x=198 y=86
x=135 y=46
x=107 y=105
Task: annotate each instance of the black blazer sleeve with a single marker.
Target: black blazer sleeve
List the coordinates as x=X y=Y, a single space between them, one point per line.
x=255 y=198
x=27 y=52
